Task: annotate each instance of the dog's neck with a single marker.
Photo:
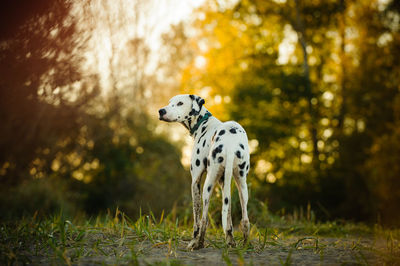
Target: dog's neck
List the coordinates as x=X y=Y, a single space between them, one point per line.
x=192 y=123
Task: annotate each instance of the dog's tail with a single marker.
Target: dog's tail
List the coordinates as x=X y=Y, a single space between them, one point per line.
x=229 y=166
x=226 y=201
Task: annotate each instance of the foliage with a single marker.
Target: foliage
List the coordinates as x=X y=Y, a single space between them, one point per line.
x=36 y=108
x=315 y=85
x=116 y=239
x=112 y=164
x=64 y=146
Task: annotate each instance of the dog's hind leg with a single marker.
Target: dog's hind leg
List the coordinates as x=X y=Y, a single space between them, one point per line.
x=243 y=196
x=226 y=202
x=226 y=213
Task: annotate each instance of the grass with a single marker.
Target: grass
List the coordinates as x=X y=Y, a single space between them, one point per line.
x=116 y=239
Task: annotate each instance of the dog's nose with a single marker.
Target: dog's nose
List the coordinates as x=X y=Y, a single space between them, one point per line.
x=162 y=112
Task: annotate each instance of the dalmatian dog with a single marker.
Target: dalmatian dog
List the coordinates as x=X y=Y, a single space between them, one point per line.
x=220 y=149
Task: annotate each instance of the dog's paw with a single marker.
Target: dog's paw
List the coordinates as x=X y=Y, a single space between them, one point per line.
x=231 y=243
x=195 y=244
x=245 y=228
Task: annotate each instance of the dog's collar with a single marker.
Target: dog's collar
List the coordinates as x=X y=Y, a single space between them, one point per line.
x=204 y=118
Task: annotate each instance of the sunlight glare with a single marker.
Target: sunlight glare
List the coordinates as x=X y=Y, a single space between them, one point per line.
x=287 y=46
x=271 y=178
x=112 y=27
x=262 y=167
x=217 y=99
x=327 y=133
x=200 y=62
x=305 y=158
x=253 y=145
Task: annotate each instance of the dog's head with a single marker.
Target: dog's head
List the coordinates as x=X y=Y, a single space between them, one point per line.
x=181 y=107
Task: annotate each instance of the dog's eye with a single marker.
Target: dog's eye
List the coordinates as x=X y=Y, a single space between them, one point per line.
x=180 y=103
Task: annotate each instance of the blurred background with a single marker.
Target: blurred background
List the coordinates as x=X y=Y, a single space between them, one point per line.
x=315 y=83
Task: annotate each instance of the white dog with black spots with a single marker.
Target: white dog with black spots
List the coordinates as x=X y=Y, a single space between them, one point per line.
x=221 y=150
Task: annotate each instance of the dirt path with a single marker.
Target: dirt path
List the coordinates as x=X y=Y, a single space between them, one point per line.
x=291 y=251
x=310 y=251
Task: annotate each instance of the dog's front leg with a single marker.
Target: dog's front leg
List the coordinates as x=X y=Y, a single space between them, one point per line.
x=196 y=207
x=196 y=198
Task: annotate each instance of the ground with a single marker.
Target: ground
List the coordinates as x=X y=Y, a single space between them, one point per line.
x=117 y=240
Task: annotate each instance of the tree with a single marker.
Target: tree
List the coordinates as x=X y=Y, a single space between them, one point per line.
x=39 y=65
x=65 y=147
x=315 y=110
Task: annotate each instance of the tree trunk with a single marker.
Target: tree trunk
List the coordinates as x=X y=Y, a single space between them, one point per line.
x=342 y=28
x=299 y=27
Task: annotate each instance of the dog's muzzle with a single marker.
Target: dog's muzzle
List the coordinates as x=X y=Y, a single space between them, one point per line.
x=162 y=112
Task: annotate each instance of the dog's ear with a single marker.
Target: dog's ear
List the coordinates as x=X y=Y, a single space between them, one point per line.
x=197 y=103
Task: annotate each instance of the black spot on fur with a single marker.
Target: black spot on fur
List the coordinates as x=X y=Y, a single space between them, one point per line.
x=191 y=96
x=205 y=162
x=197 y=162
x=241 y=166
x=202 y=135
x=220 y=159
x=186 y=117
x=241 y=173
x=247 y=167
x=209 y=188
x=232 y=130
x=195 y=233
x=238 y=154
x=198 y=151
x=191 y=167
x=214 y=153
x=217 y=139
x=222 y=132
x=217 y=150
x=241 y=146
x=200 y=102
x=204 y=143
x=226 y=200
x=198 y=186
x=203 y=128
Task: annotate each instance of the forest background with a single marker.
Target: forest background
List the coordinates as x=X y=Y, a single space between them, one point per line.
x=316 y=85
